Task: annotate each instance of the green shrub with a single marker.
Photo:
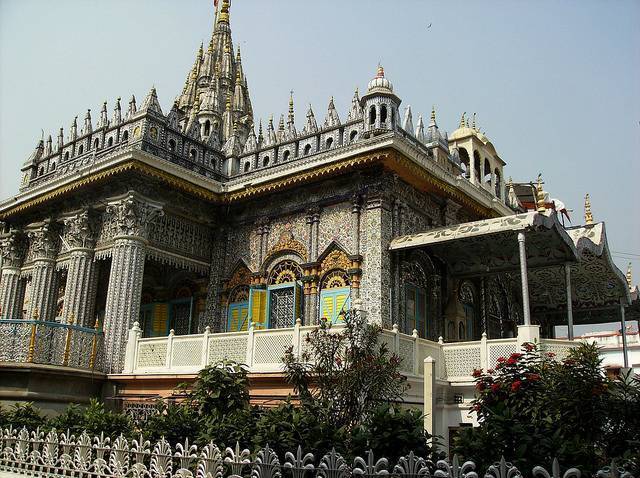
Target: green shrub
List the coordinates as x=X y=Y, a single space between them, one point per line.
x=97 y=420
x=26 y=415
x=173 y=421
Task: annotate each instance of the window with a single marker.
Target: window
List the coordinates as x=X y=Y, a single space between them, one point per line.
x=335 y=296
x=238 y=311
x=265 y=161
x=329 y=143
x=207 y=128
x=96 y=143
x=66 y=156
x=193 y=154
x=172 y=145
x=286 y=155
x=467 y=299
x=353 y=135
x=110 y=142
x=53 y=166
x=125 y=136
x=415 y=309
x=284 y=295
x=372 y=115
x=247 y=166
x=307 y=149
x=81 y=149
x=498 y=183
x=383 y=114
x=41 y=172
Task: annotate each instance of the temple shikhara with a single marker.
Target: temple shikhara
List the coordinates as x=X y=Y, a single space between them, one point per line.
x=146 y=242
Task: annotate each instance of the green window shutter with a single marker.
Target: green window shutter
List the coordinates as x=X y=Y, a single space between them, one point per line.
x=334 y=303
x=237 y=318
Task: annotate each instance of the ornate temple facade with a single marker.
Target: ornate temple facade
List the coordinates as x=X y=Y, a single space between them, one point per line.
x=197 y=221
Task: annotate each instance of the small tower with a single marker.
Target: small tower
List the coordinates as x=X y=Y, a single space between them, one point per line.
x=380 y=106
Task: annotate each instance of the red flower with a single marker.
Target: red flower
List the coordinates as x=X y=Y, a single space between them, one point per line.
x=515 y=386
x=495 y=387
x=528 y=346
x=501 y=359
x=476 y=407
x=511 y=361
x=533 y=377
x=490 y=371
x=516 y=356
x=476 y=372
x=550 y=354
x=480 y=386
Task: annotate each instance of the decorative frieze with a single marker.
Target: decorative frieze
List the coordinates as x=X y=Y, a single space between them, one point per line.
x=12 y=249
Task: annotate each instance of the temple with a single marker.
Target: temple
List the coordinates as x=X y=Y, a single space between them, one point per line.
x=151 y=243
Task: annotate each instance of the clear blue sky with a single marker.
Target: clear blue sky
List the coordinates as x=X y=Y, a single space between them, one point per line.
x=555 y=84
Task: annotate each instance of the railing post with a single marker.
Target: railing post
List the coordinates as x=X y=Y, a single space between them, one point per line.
x=94 y=345
x=250 y=339
x=442 y=371
x=32 y=343
x=484 y=352
x=205 y=347
x=416 y=357
x=296 y=338
x=169 y=348
x=67 y=342
x=396 y=340
x=131 y=349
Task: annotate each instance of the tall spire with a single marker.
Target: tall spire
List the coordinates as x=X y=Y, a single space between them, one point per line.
x=132 y=107
x=310 y=126
x=419 y=133
x=407 y=124
x=73 y=134
x=223 y=16
x=104 y=121
x=588 y=217
x=332 y=118
x=461 y=125
x=117 y=112
x=432 y=120
x=355 y=112
x=88 y=127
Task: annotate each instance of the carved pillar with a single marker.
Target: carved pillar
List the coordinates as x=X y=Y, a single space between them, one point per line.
x=78 y=238
x=129 y=217
x=376 y=279
x=11 y=287
x=43 y=249
x=356 y=272
x=438 y=328
x=214 y=315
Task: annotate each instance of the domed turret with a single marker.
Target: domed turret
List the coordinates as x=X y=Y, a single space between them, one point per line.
x=380 y=106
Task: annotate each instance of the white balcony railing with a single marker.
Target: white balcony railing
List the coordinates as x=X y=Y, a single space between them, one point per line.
x=262 y=351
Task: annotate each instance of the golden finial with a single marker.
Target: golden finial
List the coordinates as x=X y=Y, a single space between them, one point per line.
x=433 y=113
x=540 y=196
x=588 y=217
x=224 y=12
x=228 y=103
x=462 y=120
x=238 y=57
x=473 y=124
x=380 y=72
x=629 y=276
x=210 y=49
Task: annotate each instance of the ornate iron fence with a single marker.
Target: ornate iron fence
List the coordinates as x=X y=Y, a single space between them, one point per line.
x=50 y=343
x=51 y=455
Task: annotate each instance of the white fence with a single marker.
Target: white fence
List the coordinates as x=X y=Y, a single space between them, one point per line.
x=262 y=351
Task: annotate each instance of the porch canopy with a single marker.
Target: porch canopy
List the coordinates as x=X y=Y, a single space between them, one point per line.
x=554 y=263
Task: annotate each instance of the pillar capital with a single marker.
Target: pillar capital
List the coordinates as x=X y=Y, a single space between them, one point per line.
x=43 y=241
x=12 y=248
x=130 y=215
x=78 y=231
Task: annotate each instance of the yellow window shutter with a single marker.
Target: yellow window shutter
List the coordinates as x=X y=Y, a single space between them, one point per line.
x=327 y=307
x=244 y=315
x=258 y=307
x=160 y=318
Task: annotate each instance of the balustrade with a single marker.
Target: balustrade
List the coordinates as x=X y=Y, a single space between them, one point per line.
x=51 y=343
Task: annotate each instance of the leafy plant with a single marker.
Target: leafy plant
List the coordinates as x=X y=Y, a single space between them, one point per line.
x=532 y=408
x=97 y=420
x=26 y=415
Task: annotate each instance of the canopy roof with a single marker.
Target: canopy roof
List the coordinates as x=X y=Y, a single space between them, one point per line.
x=490 y=246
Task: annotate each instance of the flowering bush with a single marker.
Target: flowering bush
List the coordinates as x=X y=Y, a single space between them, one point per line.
x=532 y=407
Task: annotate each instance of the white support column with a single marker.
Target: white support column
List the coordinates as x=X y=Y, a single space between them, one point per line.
x=204 y=360
x=524 y=279
x=132 y=348
x=625 y=351
x=429 y=405
x=44 y=249
x=567 y=275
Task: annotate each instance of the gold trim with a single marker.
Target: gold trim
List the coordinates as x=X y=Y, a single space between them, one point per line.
x=391 y=159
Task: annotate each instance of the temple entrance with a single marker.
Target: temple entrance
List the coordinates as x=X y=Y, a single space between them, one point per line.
x=172 y=299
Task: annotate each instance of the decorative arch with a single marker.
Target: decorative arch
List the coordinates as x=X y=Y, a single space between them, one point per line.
x=335 y=283
x=284 y=272
x=237 y=292
x=287 y=243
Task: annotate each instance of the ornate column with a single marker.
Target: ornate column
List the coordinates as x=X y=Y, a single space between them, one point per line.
x=12 y=249
x=376 y=279
x=128 y=218
x=44 y=248
x=355 y=272
x=78 y=239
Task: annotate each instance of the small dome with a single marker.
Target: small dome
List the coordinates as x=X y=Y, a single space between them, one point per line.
x=462 y=132
x=380 y=82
